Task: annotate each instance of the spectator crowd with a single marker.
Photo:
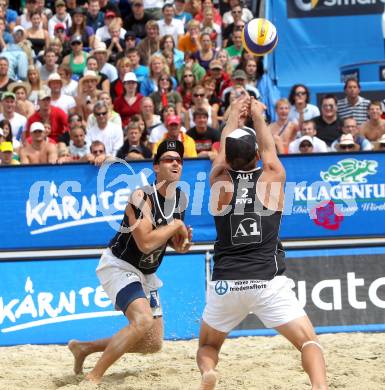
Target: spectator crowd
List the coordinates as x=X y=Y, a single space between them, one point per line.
x=90 y=80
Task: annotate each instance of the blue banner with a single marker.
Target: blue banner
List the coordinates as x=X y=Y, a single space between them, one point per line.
x=74 y=206
x=44 y=302
x=317 y=37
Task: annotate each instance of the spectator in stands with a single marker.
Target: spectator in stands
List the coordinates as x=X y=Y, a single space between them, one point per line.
x=55 y=116
x=168 y=25
x=199 y=15
x=140 y=71
x=70 y=86
x=105 y=131
x=191 y=63
x=242 y=13
x=116 y=45
x=222 y=79
x=309 y=130
x=169 y=57
x=157 y=66
x=17 y=121
x=353 y=105
x=58 y=99
x=373 y=128
x=103 y=81
x=47 y=12
x=189 y=42
x=102 y=34
x=137 y=19
x=209 y=27
x=305 y=145
x=346 y=143
x=6 y=154
x=236 y=49
x=379 y=145
x=174 y=132
x=150 y=44
x=224 y=58
x=6 y=134
x=283 y=129
x=61 y=16
x=97 y=154
x=301 y=110
x=239 y=79
x=207 y=53
x=208 y=84
x=10 y=15
x=5 y=36
x=79 y=27
x=88 y=93
x=78 y=147
x=24 y=20
x=95 y=17
x=37 y=35
x=199 y=100
x=21 y=90
x=167 y=43
x=34 y=80
x=236 y=24
x=180 y=13
x=77 y=59
x=61 y=36
x=101 y=54
x=133 y=148
x=128 y=104
x=350 y=127
x=5 y=80
x=154 y=8
x=203 y=135
x=116 y=88
x=166 y=95
x=50 y=64
x=113 y=116
x=185 y=88
x=20 y=39
x=328 y=124
x=39 y=151
x=147 y=111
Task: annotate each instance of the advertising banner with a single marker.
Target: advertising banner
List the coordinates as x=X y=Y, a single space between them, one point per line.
x=44 y=302
x=340 y=289
x=317 y=37
x=77 y=206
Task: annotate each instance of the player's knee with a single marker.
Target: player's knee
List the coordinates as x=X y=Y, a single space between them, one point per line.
x=143 y=323
x=311 y=343
x=156 y=346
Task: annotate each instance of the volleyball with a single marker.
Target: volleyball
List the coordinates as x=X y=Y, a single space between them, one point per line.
x=259 y=37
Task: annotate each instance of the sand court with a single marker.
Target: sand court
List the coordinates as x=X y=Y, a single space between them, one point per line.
x=354 y=361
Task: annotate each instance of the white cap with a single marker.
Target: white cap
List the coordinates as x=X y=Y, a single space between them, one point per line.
x=130 y=76
x=382 y=139
x=346 y=139
x=89 y=74
x=54 y=77
x=305 y=138
x=18 y=28
x=36 y=126
x=101 y=46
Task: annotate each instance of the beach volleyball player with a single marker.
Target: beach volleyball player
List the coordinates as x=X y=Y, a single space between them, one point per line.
x=248 y=269
x=153 y=218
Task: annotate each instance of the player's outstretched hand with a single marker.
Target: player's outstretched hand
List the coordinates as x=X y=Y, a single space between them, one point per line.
x=241 y=103
x=257 y=108
x=181 y=241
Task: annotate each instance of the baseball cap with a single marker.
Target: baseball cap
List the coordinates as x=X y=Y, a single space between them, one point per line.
x=346 y=139
x=54 y=77
x=60 y=3
x=79 y=10
x=130 y=76
x=6 y=147
x=306 y=138
x=239 y=74
x=241 y=143
x=129 y=34
x=173 y=120
x=17 y=29
x=216 y=64
x=100 y=47
x=59 y=26
x=169 y=146
x=44 y=94
x=76 y=38
x=8 y=95
x=36 y=126
x=110 y=14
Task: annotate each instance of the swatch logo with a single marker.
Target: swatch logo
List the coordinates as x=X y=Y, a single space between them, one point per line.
x=304 y=5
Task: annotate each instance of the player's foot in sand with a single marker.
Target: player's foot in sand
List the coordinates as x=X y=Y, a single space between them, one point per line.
x=93 y=379
x=209 y=380
x=79 y=355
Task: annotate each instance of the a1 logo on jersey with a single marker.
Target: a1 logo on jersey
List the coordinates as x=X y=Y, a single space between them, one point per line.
x=246 y=229
x=151 y=260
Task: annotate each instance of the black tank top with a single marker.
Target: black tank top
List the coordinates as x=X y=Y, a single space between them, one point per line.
x=123 y=244
x=247 y=245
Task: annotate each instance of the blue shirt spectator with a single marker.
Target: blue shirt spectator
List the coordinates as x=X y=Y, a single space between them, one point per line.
x=18 y=61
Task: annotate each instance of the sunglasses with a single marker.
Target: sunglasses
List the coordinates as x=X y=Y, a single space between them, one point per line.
x=100 y=113
x=188 y=75
x=328 y=106
x=301 y=93
x=75 y=43
x=164 y=79
x=346 y=147
x=305 y=145
x=98 y=151
x=170 y=160
x=199 y=95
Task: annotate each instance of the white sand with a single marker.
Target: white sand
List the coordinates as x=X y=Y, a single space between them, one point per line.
x=355 y=361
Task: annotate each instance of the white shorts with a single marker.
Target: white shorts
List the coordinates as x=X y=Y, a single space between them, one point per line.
x=123 y=283
x=230 y=301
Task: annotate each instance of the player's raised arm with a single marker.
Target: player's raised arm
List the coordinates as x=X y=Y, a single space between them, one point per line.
x=272 y=166
x=238 y=109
